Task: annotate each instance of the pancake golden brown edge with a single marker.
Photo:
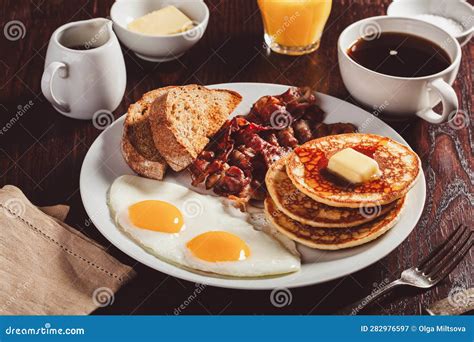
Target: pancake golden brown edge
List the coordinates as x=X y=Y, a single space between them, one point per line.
x=303 y=209
x=400 y=168
x=331 y=239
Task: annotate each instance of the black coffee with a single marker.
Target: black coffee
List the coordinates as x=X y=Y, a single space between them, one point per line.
x=399 y=54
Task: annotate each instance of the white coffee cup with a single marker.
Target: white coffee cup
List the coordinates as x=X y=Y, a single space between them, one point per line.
x=84 y=69
x=400 y=98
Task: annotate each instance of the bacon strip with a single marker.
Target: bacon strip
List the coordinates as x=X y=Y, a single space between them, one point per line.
x=235 y=162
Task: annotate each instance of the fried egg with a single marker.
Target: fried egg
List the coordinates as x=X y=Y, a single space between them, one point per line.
x=195 y=231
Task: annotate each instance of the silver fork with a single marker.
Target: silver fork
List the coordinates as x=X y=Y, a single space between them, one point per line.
x=431 y=270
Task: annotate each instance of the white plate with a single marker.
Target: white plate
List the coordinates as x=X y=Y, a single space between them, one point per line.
x=104 y=162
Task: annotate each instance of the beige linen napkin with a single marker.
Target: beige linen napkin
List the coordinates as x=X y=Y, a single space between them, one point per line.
x=49 y=268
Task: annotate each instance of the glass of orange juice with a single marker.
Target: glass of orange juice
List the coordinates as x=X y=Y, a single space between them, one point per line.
x=294 y=27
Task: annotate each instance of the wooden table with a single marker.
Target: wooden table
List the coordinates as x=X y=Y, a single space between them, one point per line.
x=42 y=152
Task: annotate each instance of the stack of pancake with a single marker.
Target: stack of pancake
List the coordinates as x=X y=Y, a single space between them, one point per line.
x=316 y=209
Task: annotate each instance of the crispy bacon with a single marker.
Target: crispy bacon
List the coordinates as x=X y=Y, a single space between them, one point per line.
x=236 y=160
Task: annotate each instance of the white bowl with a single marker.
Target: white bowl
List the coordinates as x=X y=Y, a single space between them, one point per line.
x=158 y=48
x=458 y=10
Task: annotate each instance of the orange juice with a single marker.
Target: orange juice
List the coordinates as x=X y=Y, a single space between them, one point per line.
x=294 y=26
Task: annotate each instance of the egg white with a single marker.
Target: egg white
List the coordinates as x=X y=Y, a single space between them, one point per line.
x=202 y=213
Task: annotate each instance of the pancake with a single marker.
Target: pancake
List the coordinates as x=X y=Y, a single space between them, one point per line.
x=299 y=207
x=331 y=239
x=399 y=165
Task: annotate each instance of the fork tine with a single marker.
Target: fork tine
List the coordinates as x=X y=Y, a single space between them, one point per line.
x=447 y=269
x=452 y=252
x=440 y=250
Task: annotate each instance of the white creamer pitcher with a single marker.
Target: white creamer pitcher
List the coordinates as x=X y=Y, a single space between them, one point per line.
x=84 y=69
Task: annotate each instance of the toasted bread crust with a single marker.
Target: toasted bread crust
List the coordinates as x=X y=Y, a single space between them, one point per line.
x=183 y=120
x=141 y=165
x=137 y=144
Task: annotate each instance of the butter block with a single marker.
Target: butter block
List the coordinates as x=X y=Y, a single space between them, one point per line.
x=165 y=21
x=353 y=166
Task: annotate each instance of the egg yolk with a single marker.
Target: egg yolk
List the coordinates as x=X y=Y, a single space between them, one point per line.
x=156 y=215
x=217 y=246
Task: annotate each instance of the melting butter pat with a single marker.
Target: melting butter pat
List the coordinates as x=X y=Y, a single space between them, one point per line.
x=165 y=21
x=353 y=166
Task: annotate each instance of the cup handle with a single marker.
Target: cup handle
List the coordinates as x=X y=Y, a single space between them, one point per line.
x=47 y=85
x=449 y=99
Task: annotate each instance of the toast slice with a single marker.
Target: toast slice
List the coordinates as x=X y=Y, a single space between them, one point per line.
x=183 y=120
x=138 y=147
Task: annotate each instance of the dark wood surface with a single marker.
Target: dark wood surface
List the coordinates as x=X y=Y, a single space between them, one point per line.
x=42 y=153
